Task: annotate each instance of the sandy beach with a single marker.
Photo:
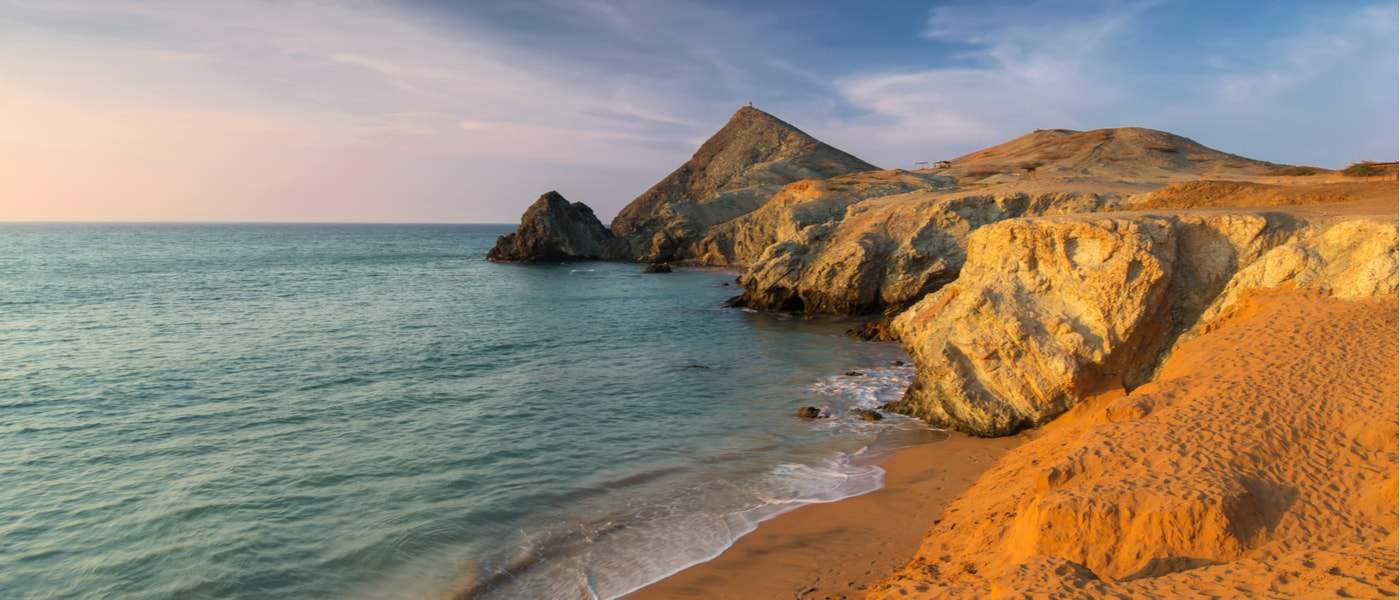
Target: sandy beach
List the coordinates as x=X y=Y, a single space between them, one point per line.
x=1260 y=462
x=839 y=549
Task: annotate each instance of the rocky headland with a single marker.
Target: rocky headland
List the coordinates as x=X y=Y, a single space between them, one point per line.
x=1024 y=276
x=1031 y=280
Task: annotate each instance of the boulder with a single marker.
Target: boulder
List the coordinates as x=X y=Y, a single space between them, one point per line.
x=1050 y=310
x=1046 y=311
x=811 y=412
x=657 y=268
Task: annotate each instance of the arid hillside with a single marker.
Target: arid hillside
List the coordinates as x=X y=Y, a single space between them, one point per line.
x=1124 y=153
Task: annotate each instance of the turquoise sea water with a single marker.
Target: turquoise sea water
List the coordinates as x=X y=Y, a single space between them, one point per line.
x=374 y=411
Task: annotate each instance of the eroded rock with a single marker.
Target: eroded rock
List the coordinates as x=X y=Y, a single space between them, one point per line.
x=556 y=230
x=1049 y=310
x=886 y=254
x=1045 y=311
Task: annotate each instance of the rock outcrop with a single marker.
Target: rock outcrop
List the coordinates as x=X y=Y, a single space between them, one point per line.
x=734 y=172
x=888 y=252
x=555 y=230
x=742 y=241
x=1261 y=463
x=1049 y=310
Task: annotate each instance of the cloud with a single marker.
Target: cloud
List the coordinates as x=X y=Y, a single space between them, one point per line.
x=322 y=109
x=1015 y=69
x=1010 y=68
x=353 y=87
x=1323 y=94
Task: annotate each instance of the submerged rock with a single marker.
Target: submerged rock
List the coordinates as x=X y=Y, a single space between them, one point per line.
x=556 y=230
x=872 y=331
x=811 y=412
x=866 y=414
x=657 y=268
x=855 y=373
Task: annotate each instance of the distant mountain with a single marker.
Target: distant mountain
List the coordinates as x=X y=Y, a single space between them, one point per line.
x=1124 y=153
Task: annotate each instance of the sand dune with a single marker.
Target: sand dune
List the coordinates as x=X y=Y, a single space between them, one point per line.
x=1260 y=463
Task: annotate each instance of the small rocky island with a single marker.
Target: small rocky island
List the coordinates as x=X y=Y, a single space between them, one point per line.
x=556 y=230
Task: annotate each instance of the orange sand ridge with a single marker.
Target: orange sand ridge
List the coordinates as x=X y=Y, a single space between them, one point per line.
x=1261 y=463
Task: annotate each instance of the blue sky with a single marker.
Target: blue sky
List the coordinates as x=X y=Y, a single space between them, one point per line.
x=466 y=111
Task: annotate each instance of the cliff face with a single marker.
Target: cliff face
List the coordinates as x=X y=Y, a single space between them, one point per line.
x=887 y=252
x=555 y=230
x=734 y=172
x=1049 y=310
x=1031 y=274
x=798 y=205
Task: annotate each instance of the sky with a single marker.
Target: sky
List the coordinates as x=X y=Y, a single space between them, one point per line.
x=436 y=111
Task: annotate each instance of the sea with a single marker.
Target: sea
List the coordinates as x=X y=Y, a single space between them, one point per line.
x=195 y=411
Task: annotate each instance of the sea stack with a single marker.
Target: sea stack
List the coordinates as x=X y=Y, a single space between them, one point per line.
x=556 y=230
x=733 y=173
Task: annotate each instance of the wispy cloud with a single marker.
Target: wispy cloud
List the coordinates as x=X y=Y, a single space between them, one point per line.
x=321 y=109
x=1016 y=69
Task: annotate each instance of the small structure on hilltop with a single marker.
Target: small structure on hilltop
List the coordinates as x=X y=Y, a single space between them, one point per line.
x=943 y=164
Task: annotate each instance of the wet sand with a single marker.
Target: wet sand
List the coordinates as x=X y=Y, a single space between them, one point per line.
x=838 y=549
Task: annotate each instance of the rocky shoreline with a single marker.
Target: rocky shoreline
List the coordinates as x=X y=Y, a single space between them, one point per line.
x=1020 y=278
x=1039 y=287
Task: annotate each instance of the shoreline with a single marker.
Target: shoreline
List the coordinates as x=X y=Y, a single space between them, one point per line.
x=839 y=549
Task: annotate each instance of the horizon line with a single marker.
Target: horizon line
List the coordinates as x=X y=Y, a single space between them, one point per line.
x=178 y=222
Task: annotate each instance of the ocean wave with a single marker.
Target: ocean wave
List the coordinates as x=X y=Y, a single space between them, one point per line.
x=613 y=557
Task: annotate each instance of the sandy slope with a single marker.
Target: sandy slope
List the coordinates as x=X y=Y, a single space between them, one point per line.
x=1261 y=463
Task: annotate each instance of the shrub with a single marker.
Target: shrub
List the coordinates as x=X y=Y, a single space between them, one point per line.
x=1297 y=171
x=1365 y=168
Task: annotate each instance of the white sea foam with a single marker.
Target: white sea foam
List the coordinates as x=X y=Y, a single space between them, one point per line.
x=655 y=538
x=666 y=527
